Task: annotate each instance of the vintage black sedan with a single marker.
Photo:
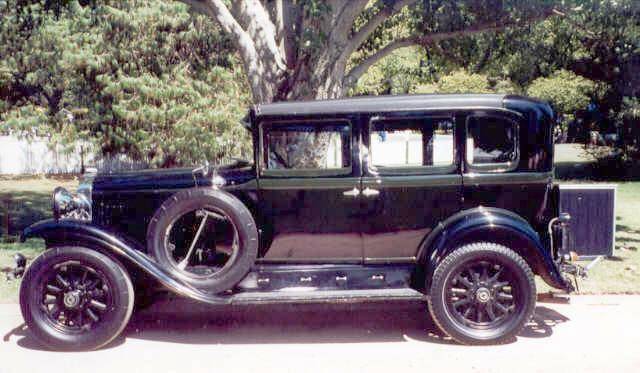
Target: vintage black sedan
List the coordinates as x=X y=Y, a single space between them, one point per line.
x=444 y=198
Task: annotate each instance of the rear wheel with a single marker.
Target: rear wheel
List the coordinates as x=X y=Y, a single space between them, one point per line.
x=74 y=298
x=482 y=293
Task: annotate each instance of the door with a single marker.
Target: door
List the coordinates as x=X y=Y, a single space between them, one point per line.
x=411 y=182
x=309 y=191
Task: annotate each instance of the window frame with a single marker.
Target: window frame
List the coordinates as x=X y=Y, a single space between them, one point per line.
x=498 y=167
x=410 y=170
x=264 y=171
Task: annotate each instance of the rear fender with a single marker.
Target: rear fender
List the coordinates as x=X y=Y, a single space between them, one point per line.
x=92 y=237
x=490 y=225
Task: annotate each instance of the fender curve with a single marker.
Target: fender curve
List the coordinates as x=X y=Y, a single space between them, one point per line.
x=497 y=225
x=78 y=231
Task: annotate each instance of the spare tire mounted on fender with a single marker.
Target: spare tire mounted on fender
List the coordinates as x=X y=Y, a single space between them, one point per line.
x=205 y=237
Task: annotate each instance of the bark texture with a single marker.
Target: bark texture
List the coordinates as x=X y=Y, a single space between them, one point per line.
x=291 y=51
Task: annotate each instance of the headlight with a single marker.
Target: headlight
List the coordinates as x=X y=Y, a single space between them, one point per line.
x=69 y=206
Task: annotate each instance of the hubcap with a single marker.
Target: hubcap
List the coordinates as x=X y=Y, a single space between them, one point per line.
x=75 y=297
x=71 y=299
x=481 y=294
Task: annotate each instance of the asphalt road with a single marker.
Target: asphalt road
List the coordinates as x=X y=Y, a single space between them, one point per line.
x=592 y=333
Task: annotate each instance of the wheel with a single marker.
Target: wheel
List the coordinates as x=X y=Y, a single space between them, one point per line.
x=482 y=293
x=206 y=237
x=74 y=298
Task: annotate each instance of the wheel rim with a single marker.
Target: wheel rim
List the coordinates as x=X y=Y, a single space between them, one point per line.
x=75 y=297
x=483 y=296
x=202 y=243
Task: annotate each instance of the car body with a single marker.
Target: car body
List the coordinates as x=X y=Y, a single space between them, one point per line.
x=359 y=198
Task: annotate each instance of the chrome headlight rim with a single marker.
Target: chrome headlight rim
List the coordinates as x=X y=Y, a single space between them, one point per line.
x=66 y=205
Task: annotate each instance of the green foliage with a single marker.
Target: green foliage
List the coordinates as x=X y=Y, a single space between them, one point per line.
x=565 y=90
x=395 y=74
x=463 y=82
x=628 y=122
x=138 y=77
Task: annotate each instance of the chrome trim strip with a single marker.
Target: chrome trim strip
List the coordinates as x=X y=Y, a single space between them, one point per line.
x=507 y=178
x=313 y=183
x=412 y=181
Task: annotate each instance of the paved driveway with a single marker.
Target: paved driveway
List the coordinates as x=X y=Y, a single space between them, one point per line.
x=589 y=334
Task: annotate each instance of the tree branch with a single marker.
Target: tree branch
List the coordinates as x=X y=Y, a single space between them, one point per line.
x=256 y=42
x=261 y=29
x=577 y=25
x=368 y=28
x=356 y=72
x=347 y=14
x=219 y=12
x=279 y=12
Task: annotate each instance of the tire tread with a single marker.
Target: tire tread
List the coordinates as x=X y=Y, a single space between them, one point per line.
x=441 y=271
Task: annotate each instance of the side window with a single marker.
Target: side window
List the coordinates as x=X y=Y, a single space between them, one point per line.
x=492 y=143
x=307 y=146
x=417 y=143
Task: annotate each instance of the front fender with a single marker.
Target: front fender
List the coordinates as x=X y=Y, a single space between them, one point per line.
x=75 y=232
x=491 y=225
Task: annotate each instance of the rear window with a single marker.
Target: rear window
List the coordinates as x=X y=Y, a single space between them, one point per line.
x=492 y=142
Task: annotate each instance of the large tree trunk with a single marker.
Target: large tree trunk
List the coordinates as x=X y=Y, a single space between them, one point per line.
x=292 y=50
x=274 y=41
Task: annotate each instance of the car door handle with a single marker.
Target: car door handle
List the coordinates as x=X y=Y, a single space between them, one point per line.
x=368 y=192
x=351 y=192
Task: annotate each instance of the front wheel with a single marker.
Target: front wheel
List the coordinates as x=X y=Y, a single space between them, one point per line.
x=482 y=293
x=74 y=298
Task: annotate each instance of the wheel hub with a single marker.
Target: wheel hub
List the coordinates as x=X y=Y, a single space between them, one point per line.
x=72 y=299
x=483 y=295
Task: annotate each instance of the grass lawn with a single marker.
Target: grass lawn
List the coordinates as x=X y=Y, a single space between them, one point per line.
x=621 y=272
x=23 y=201
x=30 y=249
x=28 y=200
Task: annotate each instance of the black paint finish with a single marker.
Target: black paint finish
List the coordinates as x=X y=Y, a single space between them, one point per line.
x=321 y=219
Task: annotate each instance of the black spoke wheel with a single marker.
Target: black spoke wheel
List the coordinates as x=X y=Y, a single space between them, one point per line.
x=76 y=298
x=482 y=293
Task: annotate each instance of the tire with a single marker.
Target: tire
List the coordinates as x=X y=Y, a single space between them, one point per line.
x=95 y=282
x=469 y=304
x=234 y=210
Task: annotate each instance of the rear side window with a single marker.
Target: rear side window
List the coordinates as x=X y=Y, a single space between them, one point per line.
x=492 y=143
x=307 y=146
x=411 y=143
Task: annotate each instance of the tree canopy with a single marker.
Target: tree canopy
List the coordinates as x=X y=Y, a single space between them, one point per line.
x=166 y=83
x=320 y=49
x=141 y=78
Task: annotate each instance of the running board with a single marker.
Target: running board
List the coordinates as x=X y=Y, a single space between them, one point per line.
x=324 y=296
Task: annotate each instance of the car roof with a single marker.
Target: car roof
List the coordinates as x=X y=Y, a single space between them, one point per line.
x=385 y=103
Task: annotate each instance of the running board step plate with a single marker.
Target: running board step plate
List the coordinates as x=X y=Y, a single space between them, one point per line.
x=325 y=296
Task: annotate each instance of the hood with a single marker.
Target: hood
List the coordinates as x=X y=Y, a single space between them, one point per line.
x=174 y=178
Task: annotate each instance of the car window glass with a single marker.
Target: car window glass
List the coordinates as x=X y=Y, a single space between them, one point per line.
x=490 y=140
x=412 y=142
x=307 y=146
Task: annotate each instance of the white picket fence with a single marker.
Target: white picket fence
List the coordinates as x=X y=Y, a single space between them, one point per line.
x=36 y=156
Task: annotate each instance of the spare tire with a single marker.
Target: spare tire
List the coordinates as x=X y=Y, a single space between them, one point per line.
x=190 y=232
